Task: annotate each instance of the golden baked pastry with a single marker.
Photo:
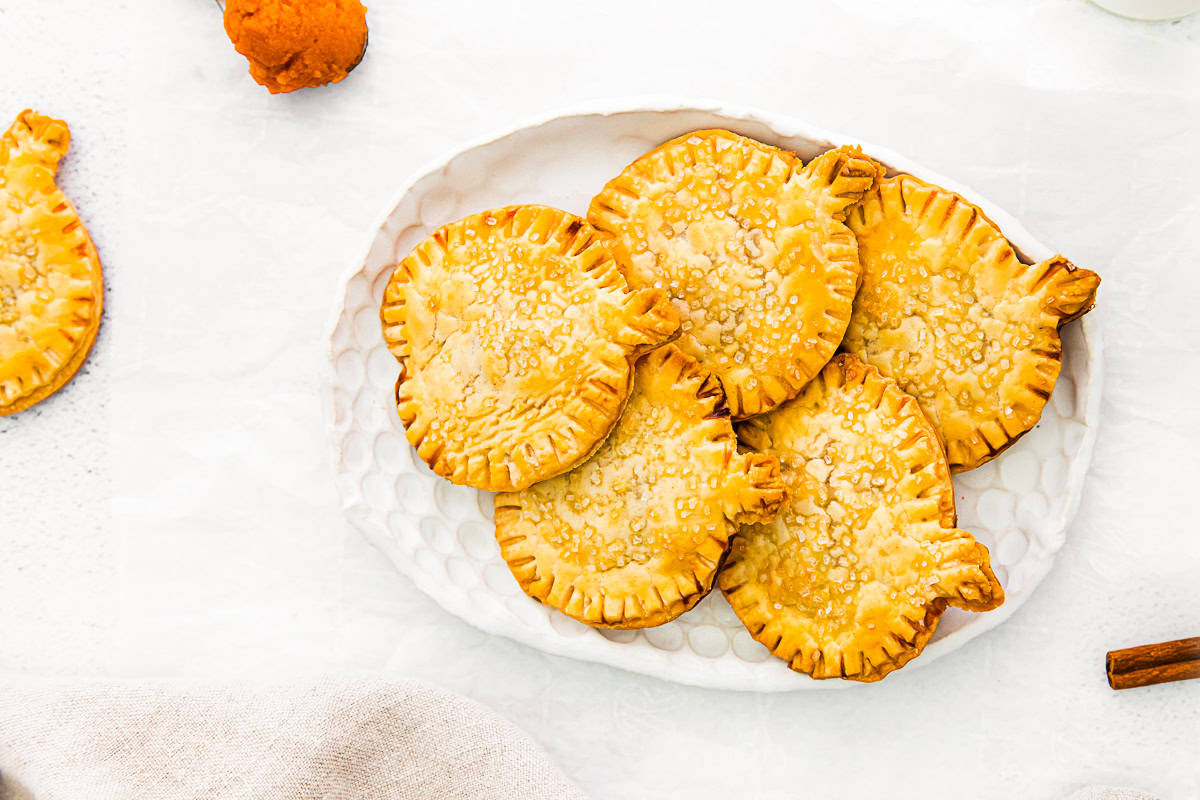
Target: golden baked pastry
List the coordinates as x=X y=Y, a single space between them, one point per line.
x=851 y=578
x=634 y=536
x=516 y=336
x=51 y=288
x=948 y=310
x=751 y=245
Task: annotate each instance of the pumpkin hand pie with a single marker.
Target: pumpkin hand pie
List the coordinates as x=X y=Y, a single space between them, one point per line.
x=949 y=310
x=752 y=246
x=634 y=537
x=516 y=335
x=51 y=287
x=850 y=579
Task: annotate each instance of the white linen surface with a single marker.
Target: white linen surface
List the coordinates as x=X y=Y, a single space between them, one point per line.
x=172 y=514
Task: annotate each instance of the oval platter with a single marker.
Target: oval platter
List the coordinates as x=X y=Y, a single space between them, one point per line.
x=441 y=535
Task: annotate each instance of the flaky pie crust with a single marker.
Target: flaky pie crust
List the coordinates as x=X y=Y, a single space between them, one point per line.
x=51 y=287
x=851 y=577
x=516 y=335
x=949 y=310
x=752 y=246
x=634 y=537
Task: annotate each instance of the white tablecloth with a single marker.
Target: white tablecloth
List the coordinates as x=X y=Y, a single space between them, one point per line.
x=173 y=514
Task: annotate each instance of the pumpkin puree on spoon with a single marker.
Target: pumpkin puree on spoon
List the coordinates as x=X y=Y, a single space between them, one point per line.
x=298 y=44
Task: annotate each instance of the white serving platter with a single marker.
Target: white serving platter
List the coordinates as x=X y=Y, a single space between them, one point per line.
x=441 y=535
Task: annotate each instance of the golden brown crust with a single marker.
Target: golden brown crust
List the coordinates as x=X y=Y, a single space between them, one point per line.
x=634 y=536
x=853 y=574
x=516 y=336
x=948 y=310
x=51 y=286
x=752 y=246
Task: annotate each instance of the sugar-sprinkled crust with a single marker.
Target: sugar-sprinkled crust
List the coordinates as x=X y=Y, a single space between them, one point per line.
x=752 y=246
x=852 y=576
x=634 y=536
x=51 y=287
x=948 y=310
x=516 y=335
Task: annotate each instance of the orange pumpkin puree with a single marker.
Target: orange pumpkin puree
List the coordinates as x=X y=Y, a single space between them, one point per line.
x=296 y=44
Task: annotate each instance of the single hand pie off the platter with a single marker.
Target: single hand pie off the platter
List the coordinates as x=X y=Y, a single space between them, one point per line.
x=51 y=287
x=516 y=335
x=948 y=310
x=752 y=246
x=634 y=537
x=851 y=578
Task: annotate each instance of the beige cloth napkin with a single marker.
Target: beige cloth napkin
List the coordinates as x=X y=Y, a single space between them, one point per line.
x=1109 y=793
x=326 y=741
x=358 y=740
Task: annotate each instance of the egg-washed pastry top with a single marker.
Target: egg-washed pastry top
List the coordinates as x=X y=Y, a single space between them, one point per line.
x=752 y=247
x=949 y=310
x=51 y=286
x=634 y=536
x=516 y=335
x=852 y=576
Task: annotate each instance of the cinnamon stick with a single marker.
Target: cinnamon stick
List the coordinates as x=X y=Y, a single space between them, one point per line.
x=1153 y=663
